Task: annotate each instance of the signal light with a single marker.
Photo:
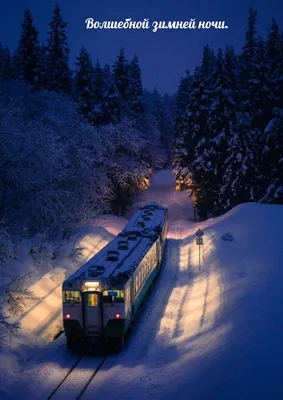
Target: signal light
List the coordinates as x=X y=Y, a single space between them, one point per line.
x=117 y=315
x=68 y=316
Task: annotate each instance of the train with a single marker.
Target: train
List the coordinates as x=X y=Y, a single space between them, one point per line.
x=102 y=298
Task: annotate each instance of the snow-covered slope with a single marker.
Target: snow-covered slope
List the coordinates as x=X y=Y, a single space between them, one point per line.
x=213 y=334
x=42 y=318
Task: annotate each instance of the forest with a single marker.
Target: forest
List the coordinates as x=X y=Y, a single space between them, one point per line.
x=228 y=145
x=74 y=144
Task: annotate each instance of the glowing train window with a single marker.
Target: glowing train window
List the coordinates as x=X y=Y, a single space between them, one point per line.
x=113 y=296
x=72 y=296
x=92 y=299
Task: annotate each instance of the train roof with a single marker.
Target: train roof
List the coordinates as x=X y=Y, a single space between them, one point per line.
x=146 y=218
x=120 y=257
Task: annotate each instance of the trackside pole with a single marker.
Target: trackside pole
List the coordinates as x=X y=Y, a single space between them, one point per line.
x=199 y=242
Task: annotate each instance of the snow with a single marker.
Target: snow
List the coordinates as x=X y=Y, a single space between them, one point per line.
x=214 y=334
x=209 y=334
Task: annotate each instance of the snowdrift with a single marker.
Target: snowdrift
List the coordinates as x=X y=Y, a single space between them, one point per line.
x=213 y=333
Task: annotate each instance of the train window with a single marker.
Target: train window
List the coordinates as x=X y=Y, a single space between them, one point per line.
x=128 y=295
x=113 y=296
x=72 y=296
x=92 y=299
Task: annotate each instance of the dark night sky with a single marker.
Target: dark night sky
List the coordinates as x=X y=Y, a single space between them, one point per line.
x=164 y=55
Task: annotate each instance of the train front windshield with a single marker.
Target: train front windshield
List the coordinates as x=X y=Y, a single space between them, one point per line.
x=113 y=296
x=72 y=296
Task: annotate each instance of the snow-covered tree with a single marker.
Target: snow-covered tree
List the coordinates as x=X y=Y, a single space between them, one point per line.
x=121 y=76
x=183 y=94
x=164 y=123
x=180 y=149
x=83 y=81
x=273 y=159
x=240 y=168
x=212 y=149
x=99 y=95
x=58 y=71
x=123 y=152
x=43 y=72
x=135 y=99
x=27 y=54
x=111 y=104
x=49 y=160
x=6 y=72
x=248 y=66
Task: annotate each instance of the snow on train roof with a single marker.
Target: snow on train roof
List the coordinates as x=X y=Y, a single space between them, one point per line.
x=147 y=217
x=120 y=257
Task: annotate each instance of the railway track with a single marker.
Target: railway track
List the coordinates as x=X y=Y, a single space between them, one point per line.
x=78 y=378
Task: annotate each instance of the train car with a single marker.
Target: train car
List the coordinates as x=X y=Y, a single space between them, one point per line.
x=101 y=299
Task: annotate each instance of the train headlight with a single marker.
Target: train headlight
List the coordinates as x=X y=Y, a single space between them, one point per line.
x=68 y=316
x=117 y=315
x=92 y=285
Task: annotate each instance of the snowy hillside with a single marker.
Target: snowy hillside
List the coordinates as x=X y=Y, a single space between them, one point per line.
x=213 y=334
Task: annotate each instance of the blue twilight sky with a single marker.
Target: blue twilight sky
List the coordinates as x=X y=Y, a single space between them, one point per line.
x=164 y=55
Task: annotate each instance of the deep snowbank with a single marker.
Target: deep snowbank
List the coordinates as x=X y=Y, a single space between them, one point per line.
x=213 y=334
x=42 y=317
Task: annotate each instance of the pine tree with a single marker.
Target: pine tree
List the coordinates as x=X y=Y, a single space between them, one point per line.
x=98 y=95
x=164 y=122
x=183 y=95
x=111 y=104
x=135 y=90
x=83 y=81
x=231 y=65
x=58 y=71
x=26 y=60
x=273 y=157
x=262 y=96
x=192 y=129
x=208 y=62
x=43 y=66
x=240 y=170
x=6 y=72
x=179 y=148
x=121 y=76
x=211 y=150
x=248 y=69
x=274 y=59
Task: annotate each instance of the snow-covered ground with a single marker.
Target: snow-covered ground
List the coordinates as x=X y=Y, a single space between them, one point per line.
x=162 y=191
x=210 y=334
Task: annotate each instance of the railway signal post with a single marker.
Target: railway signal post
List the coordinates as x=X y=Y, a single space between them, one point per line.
x=199 y=241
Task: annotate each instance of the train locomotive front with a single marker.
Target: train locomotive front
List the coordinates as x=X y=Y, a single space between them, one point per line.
x=94 y=316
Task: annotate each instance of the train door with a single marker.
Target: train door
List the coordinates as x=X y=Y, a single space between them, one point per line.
x=92 y=311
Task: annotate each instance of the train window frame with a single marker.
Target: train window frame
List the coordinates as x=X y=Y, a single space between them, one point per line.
x=114 y=299
x=92 y=296
x=76 y=298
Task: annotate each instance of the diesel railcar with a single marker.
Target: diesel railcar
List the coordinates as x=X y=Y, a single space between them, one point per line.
x=101 y=299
